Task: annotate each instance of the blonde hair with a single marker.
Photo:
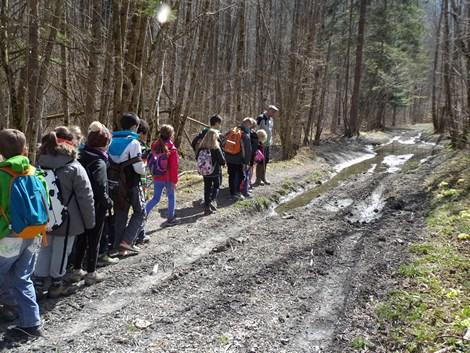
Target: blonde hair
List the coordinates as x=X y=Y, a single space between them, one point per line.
x=210 y=140
x=262 y=135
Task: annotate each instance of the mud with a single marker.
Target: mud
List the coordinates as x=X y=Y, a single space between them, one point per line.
x=259 y=281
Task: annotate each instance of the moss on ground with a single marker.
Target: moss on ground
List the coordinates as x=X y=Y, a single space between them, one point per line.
x=431 y=311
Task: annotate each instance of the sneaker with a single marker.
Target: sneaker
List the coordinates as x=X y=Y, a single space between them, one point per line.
x=258 y=182
x=60 y=290
x=127 y=253
x=113 y=253
x=207 y=211
x=172 y=221
x=213 y=206
x=93 y=278
x=77 y=275
x=266 y=182
x=238 y=197
x=25 y=332
x=144 y=240
x=8 y=313
x=247 y=196
x=105 y=260
x=129 y=247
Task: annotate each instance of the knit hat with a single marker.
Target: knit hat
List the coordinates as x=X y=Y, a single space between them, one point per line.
x=98 y=135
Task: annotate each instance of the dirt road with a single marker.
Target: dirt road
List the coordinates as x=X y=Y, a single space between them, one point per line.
x=245 y=281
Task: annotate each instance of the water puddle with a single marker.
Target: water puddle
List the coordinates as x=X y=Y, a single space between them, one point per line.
x=388 y=158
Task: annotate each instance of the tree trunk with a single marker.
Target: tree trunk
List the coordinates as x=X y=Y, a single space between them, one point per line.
x=92 y=80
x=356 y=94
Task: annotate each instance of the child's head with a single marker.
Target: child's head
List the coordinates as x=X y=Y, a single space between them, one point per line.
x=130 y=121
x=98 y=136
x=262 y=136
x=12 y=143
x=77 y=134
x=215 y=121
x=210 y=140
x=166 y=132
x=59 y=141
x=143 y=129
x=249 y=123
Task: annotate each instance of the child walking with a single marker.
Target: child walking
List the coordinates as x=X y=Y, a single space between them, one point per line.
x=163 y=164
x=210 y=160
x=70 y=192
x=17 y=250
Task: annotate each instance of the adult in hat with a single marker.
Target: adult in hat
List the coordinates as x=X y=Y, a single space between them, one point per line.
x=266 y=122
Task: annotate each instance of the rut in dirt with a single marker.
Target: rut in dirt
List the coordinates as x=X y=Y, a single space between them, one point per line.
x=277 y=283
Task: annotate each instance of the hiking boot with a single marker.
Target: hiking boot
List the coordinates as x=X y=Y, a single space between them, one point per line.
x=105 y=260
x=93 y=278
x=8 y=313
x=129 y=247
x=77 y=275
x=25 y=332
x=57 y=290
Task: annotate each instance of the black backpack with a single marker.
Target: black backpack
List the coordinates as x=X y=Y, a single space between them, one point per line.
x=118 y=181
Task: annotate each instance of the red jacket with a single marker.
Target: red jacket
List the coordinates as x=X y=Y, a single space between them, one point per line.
x=172 y=172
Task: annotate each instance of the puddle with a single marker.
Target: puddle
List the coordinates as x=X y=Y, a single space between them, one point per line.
x=387 y=158
x=370 y=209
x=394 y=162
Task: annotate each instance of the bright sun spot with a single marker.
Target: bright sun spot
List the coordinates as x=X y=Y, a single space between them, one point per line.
x=163 y=13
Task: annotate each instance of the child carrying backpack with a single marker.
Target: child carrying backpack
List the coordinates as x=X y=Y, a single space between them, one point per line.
x=163 y=164
x=71 y=209
x=210 y=160
x=23 y=217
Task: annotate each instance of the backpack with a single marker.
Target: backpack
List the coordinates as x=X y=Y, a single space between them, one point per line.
x=259 y=156
x=205 y=166
x=233 y=141
x=28 y=204
x=117 y=181
x=58 y=208
x=158 y=163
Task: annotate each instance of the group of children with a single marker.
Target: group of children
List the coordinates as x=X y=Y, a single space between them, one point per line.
x=79 y=196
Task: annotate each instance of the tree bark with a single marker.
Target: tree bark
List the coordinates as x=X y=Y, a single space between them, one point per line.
x=354 y=116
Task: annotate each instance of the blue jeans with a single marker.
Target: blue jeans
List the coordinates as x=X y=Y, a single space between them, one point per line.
x=129 y=231
x=157 y=194
x=15 y=279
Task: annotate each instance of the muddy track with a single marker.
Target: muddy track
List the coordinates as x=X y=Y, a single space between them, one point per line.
x=248 y=284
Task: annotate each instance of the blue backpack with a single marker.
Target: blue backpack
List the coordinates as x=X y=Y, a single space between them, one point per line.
x=28 y=206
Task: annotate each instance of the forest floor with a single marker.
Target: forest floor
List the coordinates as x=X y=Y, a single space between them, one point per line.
x=292 y=270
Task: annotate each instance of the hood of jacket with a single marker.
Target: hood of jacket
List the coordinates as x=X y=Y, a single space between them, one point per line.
x=48 y=161
x=121 y=139
x=19 y=164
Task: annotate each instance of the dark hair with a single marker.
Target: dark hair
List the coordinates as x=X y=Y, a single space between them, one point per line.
x=129 y=120
x=12 y=143
x=143 y=127
x=51 y=142
x=65 y=133
x=215 y=119
x=166 y=133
